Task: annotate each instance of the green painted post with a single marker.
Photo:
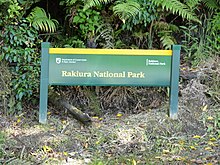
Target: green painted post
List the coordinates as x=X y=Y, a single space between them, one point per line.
x=174 y=82
x=44 y=82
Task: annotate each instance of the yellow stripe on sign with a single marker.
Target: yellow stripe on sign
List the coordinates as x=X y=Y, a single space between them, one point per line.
x=139 y=52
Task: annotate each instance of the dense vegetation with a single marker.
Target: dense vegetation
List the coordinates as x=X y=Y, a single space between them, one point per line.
x=112 y=24
x=139 y=24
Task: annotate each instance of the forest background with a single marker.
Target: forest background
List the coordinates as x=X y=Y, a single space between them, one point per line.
x=112 y=24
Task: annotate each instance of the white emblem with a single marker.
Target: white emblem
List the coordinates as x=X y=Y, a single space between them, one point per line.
x=147 y=62
x=58 y=60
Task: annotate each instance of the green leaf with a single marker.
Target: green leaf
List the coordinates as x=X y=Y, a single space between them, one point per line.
x=177 y=8
x=76 y=19
x=126 y=10
x=38 y=17
x=91 y=3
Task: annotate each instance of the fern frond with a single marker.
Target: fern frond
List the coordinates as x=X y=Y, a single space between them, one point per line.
x=176 y=7
x=38 y=18
x=167 y=41
x=192 y=3
x=126 y=10
x=161 y=26
x=216 y=21
x=164 y=31
x=212 y=4
x=90 y=3
x=106 y=34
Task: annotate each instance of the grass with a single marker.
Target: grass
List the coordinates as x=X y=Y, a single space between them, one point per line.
x=2 y=141
x=145 y=138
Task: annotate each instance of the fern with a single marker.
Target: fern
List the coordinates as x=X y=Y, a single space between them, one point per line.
x=164 y=31
x=68 y=2
x=192 y=3
x=176 y=7
x=126 y=10
x=212 y=4
x=216 y=21
x=165 y=26
x=167 y=41
x=129 y=8
x=106 y=33
x=91 y=3
x=38 y=18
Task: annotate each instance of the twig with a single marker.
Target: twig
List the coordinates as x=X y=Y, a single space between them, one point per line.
x=64 y=128
x=18 y=140
x=50 y=34
x=22 y=152
x=9 y=160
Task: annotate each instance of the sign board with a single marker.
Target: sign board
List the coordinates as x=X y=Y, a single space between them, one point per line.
x=109 y=67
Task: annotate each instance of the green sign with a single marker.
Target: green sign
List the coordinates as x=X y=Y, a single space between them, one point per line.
x=101 y=70
x=109 y=67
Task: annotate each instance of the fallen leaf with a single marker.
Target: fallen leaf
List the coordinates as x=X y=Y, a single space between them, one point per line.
x=212 y=139
x=208 y=148
x=47 y=148
x=210 y=118
x=205 y=108
x=179 y=158
x=119 y=115
x=64 y=122
x=193 y=148
x=211 y=143
x=86 y=145
x=166 y=151
x=134 y=162
x=196 y=137
x=181 y=142
x=19 y=120
x=65 y=153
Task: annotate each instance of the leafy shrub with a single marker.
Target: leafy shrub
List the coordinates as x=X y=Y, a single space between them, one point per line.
x=214 y=38
x=20 y=50
x=86 y=22
x=20 y=43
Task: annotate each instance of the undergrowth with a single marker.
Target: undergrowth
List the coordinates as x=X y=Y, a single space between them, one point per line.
x=2 y=140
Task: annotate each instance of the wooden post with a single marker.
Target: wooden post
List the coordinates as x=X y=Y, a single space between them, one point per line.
x=174 y=82
x=44 y=82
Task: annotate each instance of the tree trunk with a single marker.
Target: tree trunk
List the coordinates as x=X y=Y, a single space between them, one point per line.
x=60 y=102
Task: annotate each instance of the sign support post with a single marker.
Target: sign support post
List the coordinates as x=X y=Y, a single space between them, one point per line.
x=44 y=82
x=174 y=81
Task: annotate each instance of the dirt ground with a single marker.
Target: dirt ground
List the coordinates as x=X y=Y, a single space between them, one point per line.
x=150 y=137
